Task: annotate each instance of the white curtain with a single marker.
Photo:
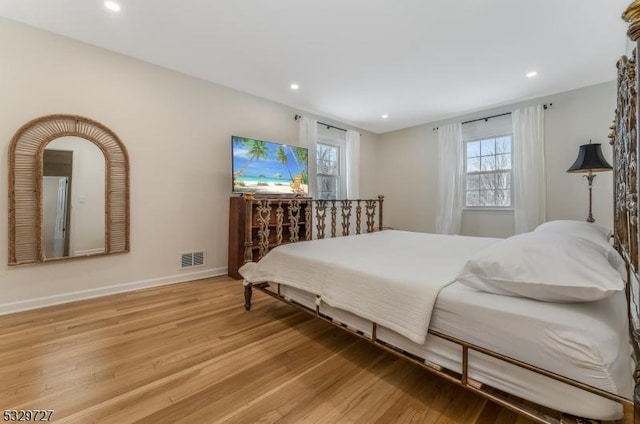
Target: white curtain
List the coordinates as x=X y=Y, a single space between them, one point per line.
x=353 y=164
x=529 y=186
x=309 y=139
x=450 y=179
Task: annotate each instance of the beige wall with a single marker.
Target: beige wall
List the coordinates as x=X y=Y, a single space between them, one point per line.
x=410 y=166
x=177 y=130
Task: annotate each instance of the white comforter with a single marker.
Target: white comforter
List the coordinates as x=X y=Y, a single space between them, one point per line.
x=389 y=277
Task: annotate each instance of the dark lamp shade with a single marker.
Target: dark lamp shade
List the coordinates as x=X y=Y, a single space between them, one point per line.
x=590 y=159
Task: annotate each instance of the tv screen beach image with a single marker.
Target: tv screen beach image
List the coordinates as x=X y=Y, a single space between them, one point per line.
x=264 y=167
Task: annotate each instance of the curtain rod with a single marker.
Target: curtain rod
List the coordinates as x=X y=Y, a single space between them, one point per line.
x=486 y=118
x=322 y=123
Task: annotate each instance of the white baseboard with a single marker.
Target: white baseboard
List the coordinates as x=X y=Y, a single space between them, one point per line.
x=41 y=302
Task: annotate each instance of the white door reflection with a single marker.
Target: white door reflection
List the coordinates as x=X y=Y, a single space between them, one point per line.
x=73 y=198
x=54 y=202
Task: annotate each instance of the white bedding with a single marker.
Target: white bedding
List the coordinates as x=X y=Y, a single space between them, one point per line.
x=391 y=277
x=586 y=341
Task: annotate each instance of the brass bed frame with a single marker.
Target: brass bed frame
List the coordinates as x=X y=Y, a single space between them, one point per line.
x=338 y=213
x=626 y=219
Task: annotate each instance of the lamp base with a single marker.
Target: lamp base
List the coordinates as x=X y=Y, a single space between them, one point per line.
x=590 y=178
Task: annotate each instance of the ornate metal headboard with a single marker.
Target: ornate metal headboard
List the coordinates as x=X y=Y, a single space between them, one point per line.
x=624 y=138
x=625 y=158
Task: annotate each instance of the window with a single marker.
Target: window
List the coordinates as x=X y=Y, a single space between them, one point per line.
x=488 y=172
x=328 y=171
x=331 y=163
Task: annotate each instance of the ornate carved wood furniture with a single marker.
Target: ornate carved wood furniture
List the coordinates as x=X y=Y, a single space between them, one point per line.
x=263 y=223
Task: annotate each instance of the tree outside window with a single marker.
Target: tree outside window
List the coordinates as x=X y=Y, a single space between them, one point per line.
x=328 y=170
x=488 y=172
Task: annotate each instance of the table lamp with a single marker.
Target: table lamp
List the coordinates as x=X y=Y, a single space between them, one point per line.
x=590 y=160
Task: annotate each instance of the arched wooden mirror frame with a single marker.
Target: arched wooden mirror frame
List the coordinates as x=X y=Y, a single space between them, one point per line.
x=25 y=184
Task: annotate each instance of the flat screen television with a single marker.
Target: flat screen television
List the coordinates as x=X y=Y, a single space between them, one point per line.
x=268 y=168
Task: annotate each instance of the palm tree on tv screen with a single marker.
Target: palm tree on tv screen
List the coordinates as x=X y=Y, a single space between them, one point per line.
x=301 y=154
x=257 y=150
x=281 y=156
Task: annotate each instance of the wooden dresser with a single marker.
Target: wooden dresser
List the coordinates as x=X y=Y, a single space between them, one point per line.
x=286 y=219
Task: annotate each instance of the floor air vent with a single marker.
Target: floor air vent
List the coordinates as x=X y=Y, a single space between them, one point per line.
x=191 y=259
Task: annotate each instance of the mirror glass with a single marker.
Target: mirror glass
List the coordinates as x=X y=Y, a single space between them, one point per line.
x=73 y=198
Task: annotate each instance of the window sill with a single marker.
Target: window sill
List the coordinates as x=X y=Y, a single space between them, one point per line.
x=488 y=209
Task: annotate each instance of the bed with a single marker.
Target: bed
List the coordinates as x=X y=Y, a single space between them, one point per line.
x=425 y=298
x=364 y=279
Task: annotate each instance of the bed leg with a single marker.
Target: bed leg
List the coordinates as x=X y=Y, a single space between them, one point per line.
x=247 y=296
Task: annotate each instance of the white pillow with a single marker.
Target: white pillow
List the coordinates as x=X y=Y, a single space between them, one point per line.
x=544 y=266
x=591 y=231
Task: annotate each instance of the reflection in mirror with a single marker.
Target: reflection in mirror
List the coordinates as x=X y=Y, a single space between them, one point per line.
x=73 y=198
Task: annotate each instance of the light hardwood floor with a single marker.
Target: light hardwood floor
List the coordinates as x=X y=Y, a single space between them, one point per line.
x=189 y=353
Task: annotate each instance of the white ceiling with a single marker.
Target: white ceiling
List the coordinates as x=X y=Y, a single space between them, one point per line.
x=417 y=60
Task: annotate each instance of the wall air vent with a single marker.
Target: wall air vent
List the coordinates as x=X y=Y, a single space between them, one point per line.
x=198 y=258
x=192 y=259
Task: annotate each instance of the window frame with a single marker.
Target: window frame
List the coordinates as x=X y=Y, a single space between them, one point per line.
x=465 y=158
x=340 y=146
x=331 y=136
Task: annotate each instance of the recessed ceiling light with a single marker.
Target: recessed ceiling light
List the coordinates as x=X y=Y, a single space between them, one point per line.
x=532 y=74
x=112 y=5
x=294 y=86
x=385 y=116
